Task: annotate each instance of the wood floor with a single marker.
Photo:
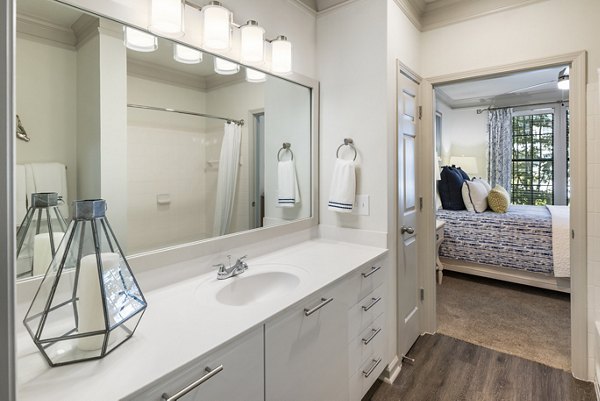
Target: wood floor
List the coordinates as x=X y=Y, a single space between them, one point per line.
x=448 y=369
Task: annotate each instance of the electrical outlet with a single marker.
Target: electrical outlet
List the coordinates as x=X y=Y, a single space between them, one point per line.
x=361 y=205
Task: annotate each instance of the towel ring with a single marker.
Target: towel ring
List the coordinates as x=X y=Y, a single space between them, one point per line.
x=286 y=146
x=347 y=142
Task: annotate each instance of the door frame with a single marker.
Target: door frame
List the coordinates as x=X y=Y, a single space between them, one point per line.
x=578 y=218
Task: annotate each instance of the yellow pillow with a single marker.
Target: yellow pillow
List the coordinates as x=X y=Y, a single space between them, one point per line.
x=499 y=199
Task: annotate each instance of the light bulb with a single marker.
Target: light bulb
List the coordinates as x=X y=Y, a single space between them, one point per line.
x=139 y=41
x=166 y=17
x=255 y=76
x=216 y=26
x=225 y=67
x=186 y=55
x=253 y=42
x=281 y=55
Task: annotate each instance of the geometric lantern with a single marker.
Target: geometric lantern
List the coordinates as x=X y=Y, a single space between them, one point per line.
x=88 y=303
x=39 y=234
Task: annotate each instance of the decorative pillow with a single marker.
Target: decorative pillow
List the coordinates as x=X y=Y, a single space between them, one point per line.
x=486 y=184
x=475 y=196
x=499 y=199
x=450 y=187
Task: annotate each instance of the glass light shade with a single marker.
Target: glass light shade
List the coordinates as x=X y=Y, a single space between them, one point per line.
x=255 y=76
x=186 y=55
x=39 y=234
x=563 y=79
x=166 y=17
x=225 y=67
x=216 y=26
x=139 y=41
x=253 y=43
x=89 y=302
x=281 y=55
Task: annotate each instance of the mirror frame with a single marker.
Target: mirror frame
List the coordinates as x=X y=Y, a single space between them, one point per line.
x=178 y=253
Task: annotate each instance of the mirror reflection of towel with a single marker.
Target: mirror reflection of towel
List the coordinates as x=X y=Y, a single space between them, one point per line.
x=288 y=194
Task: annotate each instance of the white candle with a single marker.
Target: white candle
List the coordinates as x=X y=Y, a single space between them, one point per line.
x=42 y=251
x=91 y=312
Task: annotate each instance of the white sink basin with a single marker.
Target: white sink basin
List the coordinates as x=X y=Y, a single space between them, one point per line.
x=260 y=283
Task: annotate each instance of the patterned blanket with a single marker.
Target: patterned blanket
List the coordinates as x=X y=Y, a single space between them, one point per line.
x=520 y=239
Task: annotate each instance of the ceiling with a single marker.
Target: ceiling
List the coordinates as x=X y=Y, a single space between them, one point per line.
x=527 y=87
x=322 y=5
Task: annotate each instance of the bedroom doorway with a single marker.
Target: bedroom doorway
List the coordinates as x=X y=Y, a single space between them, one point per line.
x=574 y=113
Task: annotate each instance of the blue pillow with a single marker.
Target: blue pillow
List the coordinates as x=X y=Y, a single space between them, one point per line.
x=450 y=188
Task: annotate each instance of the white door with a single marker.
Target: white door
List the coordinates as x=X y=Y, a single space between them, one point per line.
x=408 y=302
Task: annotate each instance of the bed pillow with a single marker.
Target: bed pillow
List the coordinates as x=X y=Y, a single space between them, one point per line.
x=450 y=187
x=499 y=199
x=486 y=184
x=475 y=196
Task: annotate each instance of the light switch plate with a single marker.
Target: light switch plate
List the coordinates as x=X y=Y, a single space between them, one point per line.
x=361 y=205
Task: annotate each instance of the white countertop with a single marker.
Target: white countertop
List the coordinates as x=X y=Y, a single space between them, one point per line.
x=181 y=325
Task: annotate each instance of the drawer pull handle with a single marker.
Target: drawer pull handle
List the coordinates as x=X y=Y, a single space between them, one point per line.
x=372 y=304
x=368 y=372
x=191 y=386
x=373 y=270
x=324 y=301
x=374 y=332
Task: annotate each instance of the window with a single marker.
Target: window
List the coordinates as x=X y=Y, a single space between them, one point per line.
x=540 y=157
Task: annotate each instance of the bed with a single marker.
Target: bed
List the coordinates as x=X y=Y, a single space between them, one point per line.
x=526 y=245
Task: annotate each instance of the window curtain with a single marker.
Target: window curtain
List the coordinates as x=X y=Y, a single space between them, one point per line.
x=500 y=147
x=229 y=163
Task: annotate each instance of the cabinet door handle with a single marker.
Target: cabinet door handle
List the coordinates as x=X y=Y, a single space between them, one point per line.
x=324 y=301
x=373 y=270
x=191 y=386
x=368 y=372
x=372 y=304
x=374 y=332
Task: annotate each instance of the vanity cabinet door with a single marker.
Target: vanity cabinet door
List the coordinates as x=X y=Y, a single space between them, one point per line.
x=241 y=377
x=306 y=355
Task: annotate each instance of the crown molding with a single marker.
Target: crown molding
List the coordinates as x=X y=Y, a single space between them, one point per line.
x=155 y=72
x=412 y=12
x=39 y=30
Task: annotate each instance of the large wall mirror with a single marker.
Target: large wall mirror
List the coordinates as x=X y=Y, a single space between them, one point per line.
x=180 y=152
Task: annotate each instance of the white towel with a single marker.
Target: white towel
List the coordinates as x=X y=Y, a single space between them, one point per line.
x=560 y=240
x=288 y=193
x=52 y=177
x=343 y=186
x=21 y=186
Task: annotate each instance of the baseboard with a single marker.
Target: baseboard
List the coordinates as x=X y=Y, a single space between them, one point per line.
x=597 y=388
x=391 y=372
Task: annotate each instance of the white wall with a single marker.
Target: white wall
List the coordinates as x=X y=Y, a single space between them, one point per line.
x=464 y=133
x=486 y=42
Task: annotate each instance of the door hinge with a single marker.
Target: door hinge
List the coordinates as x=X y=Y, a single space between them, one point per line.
x=420 y=112
x=422 y=294
x=421 y=203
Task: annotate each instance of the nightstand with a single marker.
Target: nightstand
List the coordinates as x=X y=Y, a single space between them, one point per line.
x=439 y=238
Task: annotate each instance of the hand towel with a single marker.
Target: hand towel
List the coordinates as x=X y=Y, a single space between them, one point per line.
x=288 y=193
x=21 y=186
x=343 y=186
x=52 y=177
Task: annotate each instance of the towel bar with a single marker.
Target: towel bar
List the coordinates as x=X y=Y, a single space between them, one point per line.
x=347 y=142
x=286 y=146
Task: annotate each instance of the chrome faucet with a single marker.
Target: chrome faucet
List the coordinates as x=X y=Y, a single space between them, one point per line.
x=238 y=268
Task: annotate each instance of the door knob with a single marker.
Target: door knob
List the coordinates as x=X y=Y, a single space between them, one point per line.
x=407 y=230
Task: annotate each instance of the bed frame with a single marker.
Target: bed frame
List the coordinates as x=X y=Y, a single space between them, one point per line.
x=540 y=280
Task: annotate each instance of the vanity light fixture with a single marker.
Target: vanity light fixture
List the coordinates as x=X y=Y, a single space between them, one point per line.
x=281 y=55
x=166 y=17
x=89 y=302
x=255 y=76
x=139 y=41
x=216 y=26
x=225 y=67
x=253 y=43
x=186 y=55
x=563 y=79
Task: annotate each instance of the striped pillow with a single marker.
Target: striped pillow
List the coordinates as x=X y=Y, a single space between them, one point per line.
x=499 y=199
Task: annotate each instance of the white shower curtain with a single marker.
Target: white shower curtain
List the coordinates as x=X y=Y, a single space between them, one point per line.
x=227 y=179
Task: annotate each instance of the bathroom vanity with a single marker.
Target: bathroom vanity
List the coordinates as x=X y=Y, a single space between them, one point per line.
x=298 y=323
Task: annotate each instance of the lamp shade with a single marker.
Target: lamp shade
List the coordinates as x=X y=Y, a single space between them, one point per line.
x=281 y=55
x=166 y=17
x=255 y=76
x=225 y=67
x=89 y=302
x=216 y=26
x=186 y=55
x=140 y=41
x=467 y=163
x=253 y=43
x=563 y=79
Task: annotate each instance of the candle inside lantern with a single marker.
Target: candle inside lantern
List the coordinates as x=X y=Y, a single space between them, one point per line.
x=90 y=310
x=42 y=251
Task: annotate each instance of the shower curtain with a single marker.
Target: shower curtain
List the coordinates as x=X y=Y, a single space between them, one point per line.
x=229 y=162
x=500 y=147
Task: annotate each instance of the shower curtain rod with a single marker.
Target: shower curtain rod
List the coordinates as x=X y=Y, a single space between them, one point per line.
x=189 y=113
x=479 y=111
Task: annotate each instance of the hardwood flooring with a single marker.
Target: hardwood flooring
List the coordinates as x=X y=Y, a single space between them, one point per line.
x=448 y=369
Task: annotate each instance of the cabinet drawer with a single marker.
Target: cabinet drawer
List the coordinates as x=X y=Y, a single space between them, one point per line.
x=366 y=344
x=369 y=371
x=366 y=280
x=242 y=377
x=362 y=314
